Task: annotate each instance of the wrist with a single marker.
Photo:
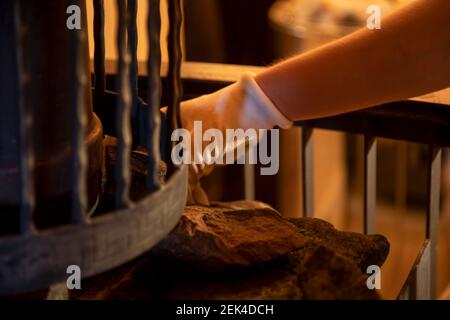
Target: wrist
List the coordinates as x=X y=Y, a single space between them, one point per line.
x=259 y=111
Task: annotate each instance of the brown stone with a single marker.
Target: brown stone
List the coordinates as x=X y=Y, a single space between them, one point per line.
x=246 y=250
x=263 y=283
x=222 y=237
x=323 y=274
x=364 y=250
x=316 y=273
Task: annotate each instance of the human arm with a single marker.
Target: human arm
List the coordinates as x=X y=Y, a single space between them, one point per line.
x=409 y=56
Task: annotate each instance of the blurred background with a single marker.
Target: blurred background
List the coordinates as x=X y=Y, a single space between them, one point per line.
x=261 y=32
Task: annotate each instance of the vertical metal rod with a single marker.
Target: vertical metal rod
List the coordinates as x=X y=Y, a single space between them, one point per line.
x=249 y=182
x=174 y=75
x=370 y=182
x=99 y=57
x=133 y=44
x=401 y=175
x=123 y=177
x=417 y=285
x=26 y=151
x=79 y=125
x=308 y=170
x=154 y=83
x=434 y=186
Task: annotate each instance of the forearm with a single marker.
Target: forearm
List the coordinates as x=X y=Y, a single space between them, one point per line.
x=408 y=57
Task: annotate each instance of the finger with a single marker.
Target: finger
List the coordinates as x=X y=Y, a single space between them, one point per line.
x=197 y=196
x=200 y=196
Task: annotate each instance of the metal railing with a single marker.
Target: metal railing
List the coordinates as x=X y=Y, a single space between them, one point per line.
x=413 y=121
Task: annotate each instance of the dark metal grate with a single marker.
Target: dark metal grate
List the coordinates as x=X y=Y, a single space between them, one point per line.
x=36 y=259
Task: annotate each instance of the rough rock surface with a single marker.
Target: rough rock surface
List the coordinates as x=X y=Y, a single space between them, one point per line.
x=364 y=250
x=314 y=273
x=272 y=282
x=325 y=275
x=246 y=233
x=311 y=273
x=219 y=237
x=246 y=250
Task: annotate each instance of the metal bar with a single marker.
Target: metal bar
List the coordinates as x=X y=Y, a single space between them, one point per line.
x=99 y=58
x=417 y=285
x=308 y=171
x=79 y=127
x=249 y=182
x=123 y=177
x=434 y=186
x=370 y=182
x=26 y=151
x=133 y=44
x=174 y=74
x=401 y=176
x=154 y=91
x=402 y=120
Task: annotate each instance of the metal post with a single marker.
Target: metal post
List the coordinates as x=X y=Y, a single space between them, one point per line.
x=26 y=156
x=154 y=103
x=132 y=45
x=123 y=177
x=99 y=58
x=434 y=186
x=308 y=171
x=174 y=75
x=370 y=182
x=79 y=125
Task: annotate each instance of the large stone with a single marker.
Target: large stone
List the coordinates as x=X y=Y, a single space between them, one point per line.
x=228 y=236
x=364 y=250
x=246 y=250
x=270 y=282
x=245 y=233
x=127 y=282
x=314 y=272
x=324 y=274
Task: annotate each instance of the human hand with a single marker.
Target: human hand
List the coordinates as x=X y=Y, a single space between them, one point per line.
x=242 y=105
